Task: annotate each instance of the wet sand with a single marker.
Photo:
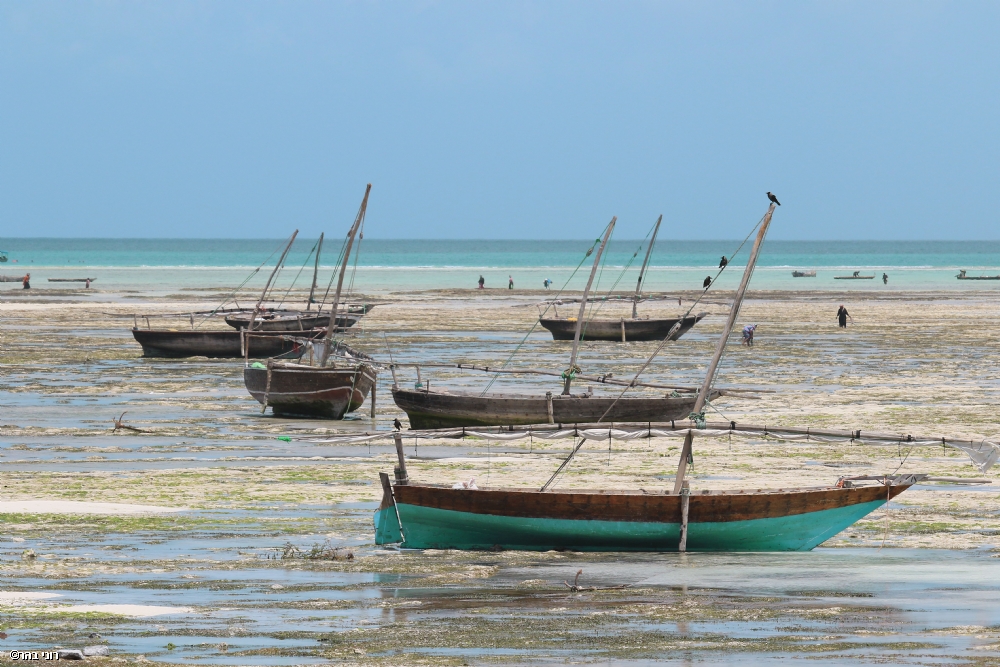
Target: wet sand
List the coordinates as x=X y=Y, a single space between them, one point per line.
x=274 y=552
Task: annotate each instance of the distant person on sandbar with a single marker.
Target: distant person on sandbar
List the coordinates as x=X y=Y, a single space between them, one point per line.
x=547 y=283
x=842 y=316
x=510 y=282
x=87 y=286
x=707 y=282
x=748 y=334
x=26 y=281
x=857 y=273
x=885 y=278
x=482 y=282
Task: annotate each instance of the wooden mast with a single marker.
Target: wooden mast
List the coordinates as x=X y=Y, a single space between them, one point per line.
x=642 y=271
x=583 y=306
x=312 y=290
x=267 y=287
x=343 y=269
x=720 y=347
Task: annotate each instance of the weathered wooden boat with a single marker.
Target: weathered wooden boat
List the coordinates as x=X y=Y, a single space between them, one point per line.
x=428 y=408
x=289 y=320
x=72 y=280
x=11 y=279
x=301 y=390
x=857 y=276
x=428 y=516
x=424 y=516
x=624 y=329
x=803 y=274
x=317 y=391
x=225 y=343
x=962 y=276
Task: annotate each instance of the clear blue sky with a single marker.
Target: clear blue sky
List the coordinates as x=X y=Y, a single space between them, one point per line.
x=499 y=120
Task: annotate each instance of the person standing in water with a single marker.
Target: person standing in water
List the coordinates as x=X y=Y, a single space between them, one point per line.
x=842 y=316
x=885 y=278
x=748 y=334
x=510 y=282
x=482 y=281
x=26 y=281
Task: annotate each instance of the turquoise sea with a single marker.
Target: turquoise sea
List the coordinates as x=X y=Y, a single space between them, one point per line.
x=170 y=264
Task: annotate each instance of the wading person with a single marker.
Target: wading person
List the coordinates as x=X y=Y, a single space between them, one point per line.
x=510 y=282
x=885 y=278
x=748 y=334
x=482 y=281
x=26 y=281
x=842 y=316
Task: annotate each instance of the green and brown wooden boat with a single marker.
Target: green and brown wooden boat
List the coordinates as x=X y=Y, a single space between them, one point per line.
x=422 y=516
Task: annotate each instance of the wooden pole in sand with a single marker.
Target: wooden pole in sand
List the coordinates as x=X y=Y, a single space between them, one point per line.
x=583 y=306
x=343 y=270
x=720 y=347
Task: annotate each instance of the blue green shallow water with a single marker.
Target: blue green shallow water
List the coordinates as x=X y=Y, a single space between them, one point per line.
x=165 y=264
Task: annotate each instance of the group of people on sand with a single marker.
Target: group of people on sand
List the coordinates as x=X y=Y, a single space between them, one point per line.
x=547 y=283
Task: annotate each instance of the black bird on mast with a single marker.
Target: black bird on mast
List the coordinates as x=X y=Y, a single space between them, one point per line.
x=397 y=424
x=773 y=198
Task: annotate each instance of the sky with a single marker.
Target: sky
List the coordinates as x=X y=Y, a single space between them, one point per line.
x=521 y=120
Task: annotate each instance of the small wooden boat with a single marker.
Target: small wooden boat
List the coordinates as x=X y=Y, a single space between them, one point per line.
x=803 y=274
x=71 y=280
x=425 y=516
x=225 y=344
x=321 y=390
x=289 y=320
x=11 y=279
x=624 y=329
x=855 y=276
x=962 y=276
x=442 y=409
x=301 y=390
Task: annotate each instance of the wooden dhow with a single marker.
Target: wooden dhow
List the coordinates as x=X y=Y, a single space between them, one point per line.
x=625 y=329
x=223 y=343
x=317 y=390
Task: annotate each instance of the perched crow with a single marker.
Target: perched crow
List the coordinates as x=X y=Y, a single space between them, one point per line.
x=773 y=198
x=723 y=262
x=708 y=281
x=397 y=424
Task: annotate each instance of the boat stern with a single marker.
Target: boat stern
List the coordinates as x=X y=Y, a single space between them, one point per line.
x=387 y=529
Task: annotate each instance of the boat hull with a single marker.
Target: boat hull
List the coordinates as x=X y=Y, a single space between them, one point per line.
x=310 y=391
x=298 y=322
x=223 y=344
x=799 y=520
x=620 y=330
x=434 y=409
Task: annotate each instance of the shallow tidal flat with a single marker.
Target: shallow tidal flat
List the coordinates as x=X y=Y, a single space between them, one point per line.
x=268 y=556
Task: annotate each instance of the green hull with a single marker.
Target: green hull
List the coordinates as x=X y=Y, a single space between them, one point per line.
x=432 y=528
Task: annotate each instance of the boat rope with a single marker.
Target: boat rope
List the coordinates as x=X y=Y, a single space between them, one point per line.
x=983 y=454
x=534 y=326
x=669 y=335
x=296 y=278
x=357 y=253
x=600 y=302
x=333 y=276
x=232 y=294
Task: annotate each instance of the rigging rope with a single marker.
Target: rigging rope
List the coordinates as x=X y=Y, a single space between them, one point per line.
x=295 y=279
x=229 y=296
x=562 y=289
